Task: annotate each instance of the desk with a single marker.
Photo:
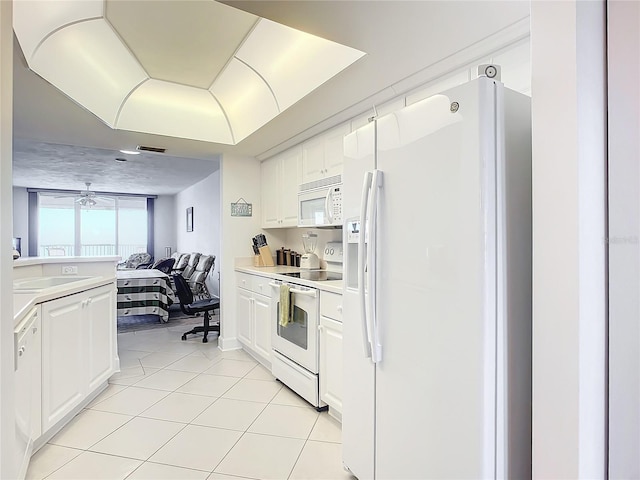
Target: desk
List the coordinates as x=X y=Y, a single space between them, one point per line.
x=144 y=292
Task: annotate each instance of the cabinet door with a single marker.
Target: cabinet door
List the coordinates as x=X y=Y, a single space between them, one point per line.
x=101 y=323
x=334 y=150
x=312 y=160
x=270 y=179
x=63 y=361
x=262 y=319
x=331 y=363
x=244 y=314
x=290 y=163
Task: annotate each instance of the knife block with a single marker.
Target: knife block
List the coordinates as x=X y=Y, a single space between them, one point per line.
x=264 y=259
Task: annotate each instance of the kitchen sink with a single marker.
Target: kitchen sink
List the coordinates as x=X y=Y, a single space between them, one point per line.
x=44 y=282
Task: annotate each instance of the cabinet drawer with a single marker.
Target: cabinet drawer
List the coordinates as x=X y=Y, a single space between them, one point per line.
x=331 y=305
x=261 y=285
x=243 y=280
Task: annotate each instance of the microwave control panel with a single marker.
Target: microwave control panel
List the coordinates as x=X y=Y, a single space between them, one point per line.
x=336 y=208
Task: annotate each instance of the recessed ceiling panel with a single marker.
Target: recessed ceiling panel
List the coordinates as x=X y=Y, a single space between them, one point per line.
x=177 y=41
x=292 y=62
x=166 y=108
x=88 y=62
x=246 y=99
x=51 y=15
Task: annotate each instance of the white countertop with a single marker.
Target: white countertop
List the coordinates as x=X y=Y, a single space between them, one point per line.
x=334 y=286
x=22 y=262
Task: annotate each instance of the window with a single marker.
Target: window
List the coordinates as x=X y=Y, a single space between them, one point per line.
x=115 y=225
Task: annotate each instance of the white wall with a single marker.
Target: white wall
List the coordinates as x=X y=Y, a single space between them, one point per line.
x=165 y=230
x=7 y=430
x=624 y=239
x=204 y=197
x=569 y=158
x=240 y=177
x=21 y=217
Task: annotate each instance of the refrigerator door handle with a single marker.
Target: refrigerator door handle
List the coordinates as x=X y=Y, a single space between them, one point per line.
x=366 y=185
x=372 y=227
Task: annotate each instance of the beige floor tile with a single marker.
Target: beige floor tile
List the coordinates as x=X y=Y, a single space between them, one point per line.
x=259 y=372
x=139 y=438
x=156 y=471
x=221 y=476
x=160 y=359
x=326 y=429
x=131 y=401
x=196 y=363
x=168 y=380
x=230 y=414
x=320 y=461
x=88 y=428
x=110 y=391
x=95 y=466
x=285 y=421
x=238 y=354
x=48 y=459
x=286 y=396
x=211 y=385
x=253 y=390
x=129 y=376
x=270 y=457
x=197 y=447
x=178 y=407
x=231 y=368
x=179 y=347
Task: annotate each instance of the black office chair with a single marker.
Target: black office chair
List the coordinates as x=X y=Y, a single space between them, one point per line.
x=191 y=307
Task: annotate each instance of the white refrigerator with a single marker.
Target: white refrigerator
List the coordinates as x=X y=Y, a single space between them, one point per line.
x=437 y=289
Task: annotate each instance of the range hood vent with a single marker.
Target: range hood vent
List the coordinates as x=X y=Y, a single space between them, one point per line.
x=143 y=148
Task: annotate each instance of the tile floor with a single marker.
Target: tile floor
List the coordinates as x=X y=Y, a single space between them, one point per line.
x=186 y=410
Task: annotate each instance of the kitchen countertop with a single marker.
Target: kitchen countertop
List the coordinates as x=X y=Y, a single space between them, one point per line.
x=334 y=286
x=23 y=262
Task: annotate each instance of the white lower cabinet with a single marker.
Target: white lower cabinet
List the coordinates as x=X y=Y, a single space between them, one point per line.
x=78 y=349
x=253 y=310
x=331 y=351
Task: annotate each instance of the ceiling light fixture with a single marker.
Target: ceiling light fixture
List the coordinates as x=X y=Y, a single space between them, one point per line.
x=87 y=202
x=130 y=152
x=88 y=50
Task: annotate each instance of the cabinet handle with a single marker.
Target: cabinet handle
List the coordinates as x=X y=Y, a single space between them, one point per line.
x=21 y=351
x=339 y=308
x=35 y=329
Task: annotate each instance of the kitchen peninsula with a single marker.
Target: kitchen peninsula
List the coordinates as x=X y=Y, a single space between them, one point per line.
x=65 y=341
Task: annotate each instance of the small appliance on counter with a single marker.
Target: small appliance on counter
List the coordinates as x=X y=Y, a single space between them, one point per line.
x=309 y=260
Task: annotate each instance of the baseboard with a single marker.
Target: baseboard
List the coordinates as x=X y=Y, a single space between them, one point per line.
x=226 y=344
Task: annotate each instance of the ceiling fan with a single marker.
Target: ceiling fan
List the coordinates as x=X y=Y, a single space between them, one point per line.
x=87 y=197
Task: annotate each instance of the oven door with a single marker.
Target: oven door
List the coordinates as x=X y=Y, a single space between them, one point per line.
x=298 y=341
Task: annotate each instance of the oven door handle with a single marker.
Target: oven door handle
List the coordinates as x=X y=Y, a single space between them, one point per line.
x=308 y=293
x=272 y=284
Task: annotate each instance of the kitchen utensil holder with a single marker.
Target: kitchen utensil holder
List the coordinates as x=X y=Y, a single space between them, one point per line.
x=265 y=257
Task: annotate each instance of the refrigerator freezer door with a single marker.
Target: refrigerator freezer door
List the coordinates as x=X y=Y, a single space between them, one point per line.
x=435 y=385
x=358 y=401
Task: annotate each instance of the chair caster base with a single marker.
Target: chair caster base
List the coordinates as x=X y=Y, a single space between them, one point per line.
x=184 y=337
x=204 y=340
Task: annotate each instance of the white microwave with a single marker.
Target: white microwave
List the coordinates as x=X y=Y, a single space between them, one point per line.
x=320 y=207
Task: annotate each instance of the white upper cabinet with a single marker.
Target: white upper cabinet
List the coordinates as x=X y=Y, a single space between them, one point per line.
x=322 y=156
x=280 y=177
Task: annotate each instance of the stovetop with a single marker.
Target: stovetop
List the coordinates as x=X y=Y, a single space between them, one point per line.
x=315 y=275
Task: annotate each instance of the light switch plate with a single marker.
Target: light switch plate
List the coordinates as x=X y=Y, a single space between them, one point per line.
x=69 y=269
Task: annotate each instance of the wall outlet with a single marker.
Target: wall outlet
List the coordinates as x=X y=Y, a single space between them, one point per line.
x=69 y=270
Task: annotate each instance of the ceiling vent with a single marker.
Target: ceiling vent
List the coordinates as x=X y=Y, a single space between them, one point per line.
x=142 y=148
